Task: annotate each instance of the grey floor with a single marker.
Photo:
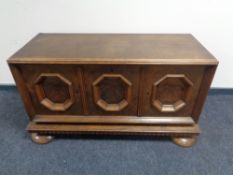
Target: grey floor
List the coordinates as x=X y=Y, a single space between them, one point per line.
x=212 y=155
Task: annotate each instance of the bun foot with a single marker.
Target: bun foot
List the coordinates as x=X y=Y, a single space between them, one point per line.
x=41 y=139
x=185 y=141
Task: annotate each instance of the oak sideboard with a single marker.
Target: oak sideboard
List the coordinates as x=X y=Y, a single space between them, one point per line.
x=141 y=84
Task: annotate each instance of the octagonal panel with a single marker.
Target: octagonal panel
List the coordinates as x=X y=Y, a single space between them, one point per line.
x=171 y=92
x=112 y=92
x=54 y=91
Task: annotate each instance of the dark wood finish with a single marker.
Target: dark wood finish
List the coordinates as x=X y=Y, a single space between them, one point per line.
x=152 y=84
x=176 y=86
x=83 y=91
x=112 y=90
x=54 y=91
x=21 y=85
x=65 y=98
x=206 y=82
x=165 y=101
x=102 y=95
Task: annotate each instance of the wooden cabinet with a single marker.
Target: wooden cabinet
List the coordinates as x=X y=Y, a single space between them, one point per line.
x=113 y=84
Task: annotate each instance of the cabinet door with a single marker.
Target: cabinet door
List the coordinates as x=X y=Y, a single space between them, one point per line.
x=111 y=90
x=169 y=90
x=54 y=89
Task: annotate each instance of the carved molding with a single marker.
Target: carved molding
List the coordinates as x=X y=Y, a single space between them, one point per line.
x=48 y=103
x=178 y=104
x=107 y=106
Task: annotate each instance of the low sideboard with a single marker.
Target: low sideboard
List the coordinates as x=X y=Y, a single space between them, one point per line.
x=141 y=84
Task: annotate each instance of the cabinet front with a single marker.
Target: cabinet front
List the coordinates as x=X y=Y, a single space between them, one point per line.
x=54 y=89
x=169 y=90
x=107 y=90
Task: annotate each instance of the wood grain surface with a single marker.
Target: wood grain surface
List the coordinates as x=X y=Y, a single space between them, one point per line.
x=113 y=49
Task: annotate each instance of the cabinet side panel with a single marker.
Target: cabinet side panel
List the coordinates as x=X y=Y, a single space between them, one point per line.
x=21 y=85
x=203 y=92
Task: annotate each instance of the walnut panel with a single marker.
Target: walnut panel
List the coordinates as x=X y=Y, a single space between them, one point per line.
x=108 y=83
x=169 y=90
x=112 y=90
x=171 y=93
x=54 y=89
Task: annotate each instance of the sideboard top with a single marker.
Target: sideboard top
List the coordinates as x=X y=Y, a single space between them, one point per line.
x=113 y=49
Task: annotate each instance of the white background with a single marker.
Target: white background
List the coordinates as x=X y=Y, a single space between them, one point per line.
x=210 y=21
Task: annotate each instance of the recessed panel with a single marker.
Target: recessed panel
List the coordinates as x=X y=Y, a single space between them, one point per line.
x=169 y=90
x=54 y=89
x=112 y=90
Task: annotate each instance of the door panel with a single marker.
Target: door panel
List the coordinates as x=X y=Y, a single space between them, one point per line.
x=112 y=90
x=170 y=90
x=54 y=89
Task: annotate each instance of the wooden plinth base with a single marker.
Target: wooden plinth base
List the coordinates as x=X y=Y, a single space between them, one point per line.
x=176 y=132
